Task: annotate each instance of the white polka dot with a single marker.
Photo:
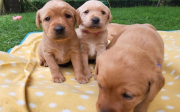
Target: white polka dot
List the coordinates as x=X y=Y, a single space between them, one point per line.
x=170 y=49
x=40 y=83
x=7 y=80
x=66 y=111
x=173 y=72
x=91 y=92
x=32 y=105
x=77 y=86
x=92 y=85
x=66 y=85
x=165 y=97
x=171 y=37
x=170 y=83
x=75 y=91
x=177 y=77
x=47 y=70
x=49 y=87
x=178 y=49
x=12 y=94
x=81 y=108
x=39 y=94
x=166 y=58
x=2 y=74
x=41 y=76
x=4 y=86
x=94 y=81
x=170 y=107
x=164 y=35
x=52 y=105
x=178 y=95
x=176 y=56
x=68 y=73
x=160 y=111
x=169 y=64
x=22 y=56
x=1 y=62
x=60 y=93
x=163 y=90
x=84 y=97
x=28 y=51
x=73 y=79
x=20 y=102
x=174 y=42
x=13 y=71
x=91 y=67
x=19 y=52
x=13 y=63
x=0 y=109
x=11 y=56
x=164 y=72
x=165 y=55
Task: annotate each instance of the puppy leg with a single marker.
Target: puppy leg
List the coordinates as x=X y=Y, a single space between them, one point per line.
x=78 y=68
x=57 y=76
x=87 y=70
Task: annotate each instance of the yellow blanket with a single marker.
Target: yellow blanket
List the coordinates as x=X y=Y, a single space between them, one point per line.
x=25 y=86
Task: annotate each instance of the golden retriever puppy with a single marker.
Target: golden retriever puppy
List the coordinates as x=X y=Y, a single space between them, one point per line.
x=60 y=43
x=92 y=31
x=129 y=72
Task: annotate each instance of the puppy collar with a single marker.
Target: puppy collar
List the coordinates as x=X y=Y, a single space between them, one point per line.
x=86 y=31
x=159 y=65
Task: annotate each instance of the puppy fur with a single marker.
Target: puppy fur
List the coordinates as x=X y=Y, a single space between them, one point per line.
x=130 y=78
x=60 y=43
x=92 y=31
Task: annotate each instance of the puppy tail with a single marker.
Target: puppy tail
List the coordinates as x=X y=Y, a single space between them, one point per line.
x=38 y=19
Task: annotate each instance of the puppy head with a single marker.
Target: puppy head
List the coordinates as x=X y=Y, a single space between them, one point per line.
x=94 y=15
x=125 y=82
x=58 y=19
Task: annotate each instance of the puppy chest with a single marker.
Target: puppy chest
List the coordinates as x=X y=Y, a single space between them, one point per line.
x=62 y=56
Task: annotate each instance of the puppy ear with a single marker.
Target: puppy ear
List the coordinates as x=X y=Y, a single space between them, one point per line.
x=38 y=21
x=151 y=26
x=155 y=85
x=78 y=18
x=109 y=16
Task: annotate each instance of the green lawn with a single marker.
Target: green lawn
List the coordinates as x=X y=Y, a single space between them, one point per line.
x=163 y=18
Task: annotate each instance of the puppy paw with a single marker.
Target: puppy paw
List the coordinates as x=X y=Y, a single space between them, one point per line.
x=58 y=78
x=88 y=74
x=43 y=63
x=82 y=80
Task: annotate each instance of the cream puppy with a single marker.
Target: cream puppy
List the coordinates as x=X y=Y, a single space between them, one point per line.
x=60 y=43
x=92 y=31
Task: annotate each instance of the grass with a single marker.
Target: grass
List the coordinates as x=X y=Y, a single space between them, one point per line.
x=163 y=18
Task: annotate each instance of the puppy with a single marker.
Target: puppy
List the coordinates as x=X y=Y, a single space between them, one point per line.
x=92 y=31
x=60 y=43
x=129 y=71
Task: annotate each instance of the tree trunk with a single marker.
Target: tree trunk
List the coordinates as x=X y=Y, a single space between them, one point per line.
x=159 y=2
x=22 y=5
x=1 y=7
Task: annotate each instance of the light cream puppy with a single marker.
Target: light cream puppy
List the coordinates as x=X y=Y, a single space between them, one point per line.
x=92 y=31
x=60 y=43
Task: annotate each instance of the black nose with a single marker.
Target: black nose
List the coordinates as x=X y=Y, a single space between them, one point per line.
x=59 y=29
x=95 y=20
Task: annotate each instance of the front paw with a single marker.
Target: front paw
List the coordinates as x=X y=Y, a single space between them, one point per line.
x=82 y=80
x=43 y=63
x=58 y=78
x=88 y=73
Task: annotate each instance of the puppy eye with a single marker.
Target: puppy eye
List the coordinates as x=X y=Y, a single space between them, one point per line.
x=86 y=11
x=47 y=18
x=103 y=12
x=67 y=16
x=99 y=86
x=128 y=96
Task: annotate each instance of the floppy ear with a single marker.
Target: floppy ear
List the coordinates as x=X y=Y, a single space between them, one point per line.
x=155 y=85
x=109 y=16
x=78 y=18
x=151 y=26
x=38 y=21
